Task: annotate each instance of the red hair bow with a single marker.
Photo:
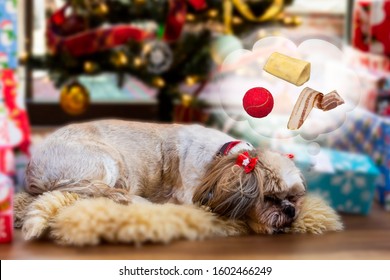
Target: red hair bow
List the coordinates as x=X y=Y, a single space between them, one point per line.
x=245 y=161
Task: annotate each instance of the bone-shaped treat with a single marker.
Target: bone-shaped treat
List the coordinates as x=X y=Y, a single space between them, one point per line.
x=290 y=69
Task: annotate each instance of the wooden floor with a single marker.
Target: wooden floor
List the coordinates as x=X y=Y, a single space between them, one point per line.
x=364 y=238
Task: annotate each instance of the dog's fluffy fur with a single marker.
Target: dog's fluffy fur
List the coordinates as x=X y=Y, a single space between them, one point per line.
x=158 y=163
x=71 y=220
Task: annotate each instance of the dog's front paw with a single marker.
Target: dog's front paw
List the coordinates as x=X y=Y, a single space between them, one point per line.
x=34 y=228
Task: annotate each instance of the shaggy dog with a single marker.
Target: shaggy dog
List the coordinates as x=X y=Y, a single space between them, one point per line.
x=131 y=162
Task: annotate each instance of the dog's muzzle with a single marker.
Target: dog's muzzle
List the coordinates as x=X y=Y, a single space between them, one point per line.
x=289 y=211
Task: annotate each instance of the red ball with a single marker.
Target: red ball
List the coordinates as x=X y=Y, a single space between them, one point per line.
x=258 y=102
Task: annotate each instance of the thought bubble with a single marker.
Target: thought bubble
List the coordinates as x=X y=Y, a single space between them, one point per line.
x=313 y=148
x=243 y=69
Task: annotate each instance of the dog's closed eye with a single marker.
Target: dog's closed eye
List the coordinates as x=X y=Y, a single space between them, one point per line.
x=294 y=198
x=277 y=200
x=271 y=198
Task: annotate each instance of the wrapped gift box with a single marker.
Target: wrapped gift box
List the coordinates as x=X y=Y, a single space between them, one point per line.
x=383 y=98
x=351 y=187
x=361 y=132
x=189 y=114
x=361 y=25
x=383 y=104
x=366 y=63
x=383 y=146
x=8 y=31
x=367 y=133
x=6 y=209
x=384 y=188
x=346 y=180
x=379 y=27
x=373 y=74
x=370 y=25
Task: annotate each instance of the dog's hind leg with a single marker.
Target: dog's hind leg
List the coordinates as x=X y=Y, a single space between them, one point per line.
x=88 y=168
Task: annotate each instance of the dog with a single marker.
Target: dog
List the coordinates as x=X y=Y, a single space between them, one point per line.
x=134 y=162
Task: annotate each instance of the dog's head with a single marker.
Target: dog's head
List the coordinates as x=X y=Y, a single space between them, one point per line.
x=268 y=197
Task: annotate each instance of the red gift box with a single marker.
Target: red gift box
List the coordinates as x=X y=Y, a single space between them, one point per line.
x=380 y=27
x=6 y=209
x=371 y=25
x=361 y=25
x=188 y=114
x=14 y=123
x=6 y=232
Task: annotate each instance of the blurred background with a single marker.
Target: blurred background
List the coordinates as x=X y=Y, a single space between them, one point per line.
x=162 y=61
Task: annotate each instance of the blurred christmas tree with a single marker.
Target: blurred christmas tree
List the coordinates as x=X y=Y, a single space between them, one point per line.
x=165 y=43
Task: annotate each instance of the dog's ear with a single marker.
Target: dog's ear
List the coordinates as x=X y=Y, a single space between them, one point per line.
x=203 y=194
x=227 y=189
x=304 y=184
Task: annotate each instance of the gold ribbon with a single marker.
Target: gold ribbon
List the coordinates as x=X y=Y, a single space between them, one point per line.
x=270 y=13
x=247 y=13
x=227 y=15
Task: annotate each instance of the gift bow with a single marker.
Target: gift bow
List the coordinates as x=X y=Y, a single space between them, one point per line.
x=245 y=161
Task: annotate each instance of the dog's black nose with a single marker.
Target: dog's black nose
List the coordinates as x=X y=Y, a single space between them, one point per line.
x=289 y=211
